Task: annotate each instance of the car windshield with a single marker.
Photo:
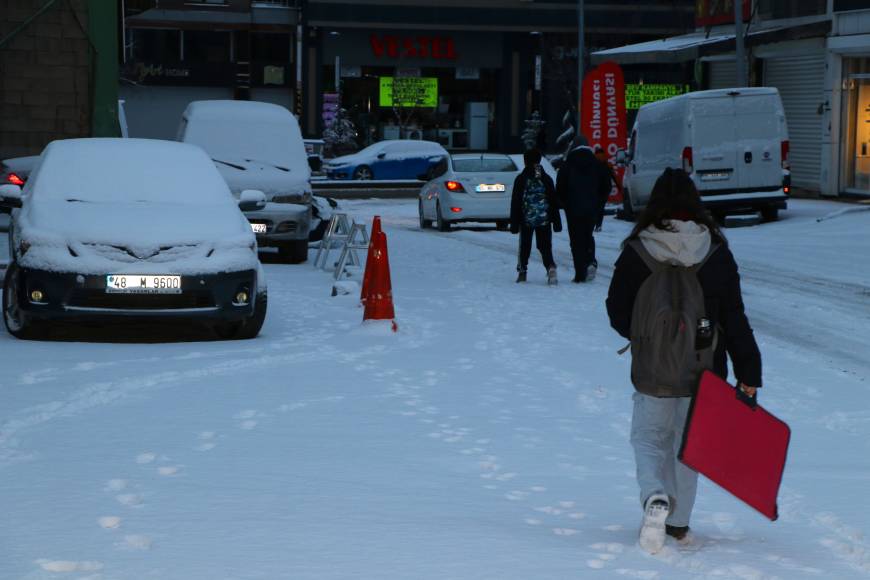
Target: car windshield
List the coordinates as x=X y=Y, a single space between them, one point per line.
x=234 y=141
x=484 y=164
x=127 y=170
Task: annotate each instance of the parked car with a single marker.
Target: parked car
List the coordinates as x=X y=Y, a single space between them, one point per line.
x=733 y=142
x=134 y=244
x=15 y=171
x=259 y=147
x=314 y=150
x=469 y=187
x=391 y=159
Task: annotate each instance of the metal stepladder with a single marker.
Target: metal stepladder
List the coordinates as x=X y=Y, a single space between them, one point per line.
x=349 y=236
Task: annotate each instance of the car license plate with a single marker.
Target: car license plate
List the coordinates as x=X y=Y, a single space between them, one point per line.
x=715 y=176
x=259 y=228
x=489 y=187
x=142 y=284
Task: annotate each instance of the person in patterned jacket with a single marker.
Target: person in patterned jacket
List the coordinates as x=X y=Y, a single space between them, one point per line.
x=534 y=211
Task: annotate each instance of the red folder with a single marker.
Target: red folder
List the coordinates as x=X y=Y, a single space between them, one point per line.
x=739 y=447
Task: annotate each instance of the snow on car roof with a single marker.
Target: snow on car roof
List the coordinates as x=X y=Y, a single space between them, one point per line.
x=248 y=110
x=238 y=131
x=111 y=170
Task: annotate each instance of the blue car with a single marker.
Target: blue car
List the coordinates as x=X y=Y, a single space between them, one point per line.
x=392 y=159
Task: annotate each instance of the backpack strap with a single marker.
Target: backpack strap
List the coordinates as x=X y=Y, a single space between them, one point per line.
x=710 y=252
x=651 y=263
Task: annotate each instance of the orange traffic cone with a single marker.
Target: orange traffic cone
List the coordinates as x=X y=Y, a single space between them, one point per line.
x=379 y=300
x=367 y=276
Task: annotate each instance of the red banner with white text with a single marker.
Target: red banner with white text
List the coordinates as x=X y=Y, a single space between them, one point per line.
x=603 y=119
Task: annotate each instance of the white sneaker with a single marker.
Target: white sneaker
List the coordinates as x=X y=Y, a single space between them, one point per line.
x=590 y=272
x=551 y=277
x=652 y=531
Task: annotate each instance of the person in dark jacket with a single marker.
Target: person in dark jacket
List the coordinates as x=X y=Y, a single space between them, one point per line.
x=583 y=182
x=676 y=229
x=534 y=210
x=601 y=155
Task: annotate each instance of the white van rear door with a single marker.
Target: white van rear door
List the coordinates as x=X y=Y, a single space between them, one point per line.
x=759 y=129
x=714 y=149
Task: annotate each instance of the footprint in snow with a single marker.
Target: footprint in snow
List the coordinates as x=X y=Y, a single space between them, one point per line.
x=109 y=522
x=130 y=499
x=169 y=470
x=146 y=458
x=207 y=441
x=69 y=565
x=247 y=419
x=135 y=542
x=116 y=484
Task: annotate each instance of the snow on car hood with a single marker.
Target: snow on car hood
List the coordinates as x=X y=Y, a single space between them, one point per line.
x=100 y=237
x=272 y=180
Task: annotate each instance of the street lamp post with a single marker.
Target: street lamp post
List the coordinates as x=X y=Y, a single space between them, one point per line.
x=581 y=60
x=740 y=52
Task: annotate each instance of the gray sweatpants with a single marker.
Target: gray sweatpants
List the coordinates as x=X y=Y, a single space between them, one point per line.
x=656 y=434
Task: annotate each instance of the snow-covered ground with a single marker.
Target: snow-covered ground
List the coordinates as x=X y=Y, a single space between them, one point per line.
x=487 y=439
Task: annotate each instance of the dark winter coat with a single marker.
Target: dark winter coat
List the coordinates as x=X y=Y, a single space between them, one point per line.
x=720 y=282
x=583 y=184
x=517 y=218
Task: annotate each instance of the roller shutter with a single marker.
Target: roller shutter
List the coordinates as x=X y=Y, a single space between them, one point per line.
x=801 y=84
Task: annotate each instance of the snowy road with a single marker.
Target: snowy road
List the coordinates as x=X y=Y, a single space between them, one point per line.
x=487 y=439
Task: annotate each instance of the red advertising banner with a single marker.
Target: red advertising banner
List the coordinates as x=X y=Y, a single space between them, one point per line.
x=603 y=119
x=713 y=12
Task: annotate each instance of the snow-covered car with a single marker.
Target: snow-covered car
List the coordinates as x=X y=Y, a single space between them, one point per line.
x=469 y=187
x=259 y=147
x=134 y=244
x=392 y=159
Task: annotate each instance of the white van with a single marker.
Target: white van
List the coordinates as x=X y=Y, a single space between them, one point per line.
x=733 y=142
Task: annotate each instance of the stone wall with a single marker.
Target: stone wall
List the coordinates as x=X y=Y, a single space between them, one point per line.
x=45 y=76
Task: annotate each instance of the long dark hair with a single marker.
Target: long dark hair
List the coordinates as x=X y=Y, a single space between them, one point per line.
x=674 y=196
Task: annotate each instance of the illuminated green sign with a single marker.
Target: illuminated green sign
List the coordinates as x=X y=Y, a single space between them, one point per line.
x=637 y=95
x=409 y=92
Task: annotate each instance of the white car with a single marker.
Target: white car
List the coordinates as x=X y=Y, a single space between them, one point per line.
x=134 y=244
x=259 y=147
x=472 y=187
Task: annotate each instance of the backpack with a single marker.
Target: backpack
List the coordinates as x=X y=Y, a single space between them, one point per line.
x=535 y=206
x=672 y=341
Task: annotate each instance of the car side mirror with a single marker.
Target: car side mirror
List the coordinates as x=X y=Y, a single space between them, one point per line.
x=621 y=157
x=10 y=196
x=381 y=155
x=252 y=200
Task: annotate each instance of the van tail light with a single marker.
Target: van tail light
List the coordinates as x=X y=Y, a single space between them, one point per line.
x=454 y=186
x=15 y=180
x=783 y=150
x=688 y=166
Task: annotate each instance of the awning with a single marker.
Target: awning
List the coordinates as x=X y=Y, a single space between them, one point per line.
x=211 y=19
x=688 y=47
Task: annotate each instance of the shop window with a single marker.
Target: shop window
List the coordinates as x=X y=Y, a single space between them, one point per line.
x=855 y=156
x=206 y=46
x=154 y=46
x=770 y=9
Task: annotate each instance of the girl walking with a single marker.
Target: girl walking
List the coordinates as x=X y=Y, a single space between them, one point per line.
x=675 y=234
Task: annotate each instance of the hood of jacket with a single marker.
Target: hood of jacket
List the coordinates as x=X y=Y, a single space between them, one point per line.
x=687 y=245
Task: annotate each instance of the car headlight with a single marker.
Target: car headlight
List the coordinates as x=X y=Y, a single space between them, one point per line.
x=302 y=198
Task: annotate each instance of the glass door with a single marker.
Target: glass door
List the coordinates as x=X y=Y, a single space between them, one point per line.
x=855 y=151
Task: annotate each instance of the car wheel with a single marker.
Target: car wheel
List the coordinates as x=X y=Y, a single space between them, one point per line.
x=769 y=214
x=442 y=224
x=294 y=252
x=363 y=173
x=14 y=319
x=424 y=223
x=627 y=210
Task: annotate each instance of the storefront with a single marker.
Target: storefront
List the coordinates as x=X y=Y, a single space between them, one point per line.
x=428 y=85
x=855 y=128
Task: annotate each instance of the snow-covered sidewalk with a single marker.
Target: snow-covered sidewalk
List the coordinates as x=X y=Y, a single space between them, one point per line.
x=488 y=438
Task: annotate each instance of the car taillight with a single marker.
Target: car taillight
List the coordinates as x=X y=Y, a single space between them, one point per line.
x=15 y=180
x=783 y=151
x=688 y=166
x=454 y=186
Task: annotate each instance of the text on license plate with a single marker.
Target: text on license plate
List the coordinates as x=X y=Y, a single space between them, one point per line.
x=487 y=187
x=143 y=284
x=259 y=228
